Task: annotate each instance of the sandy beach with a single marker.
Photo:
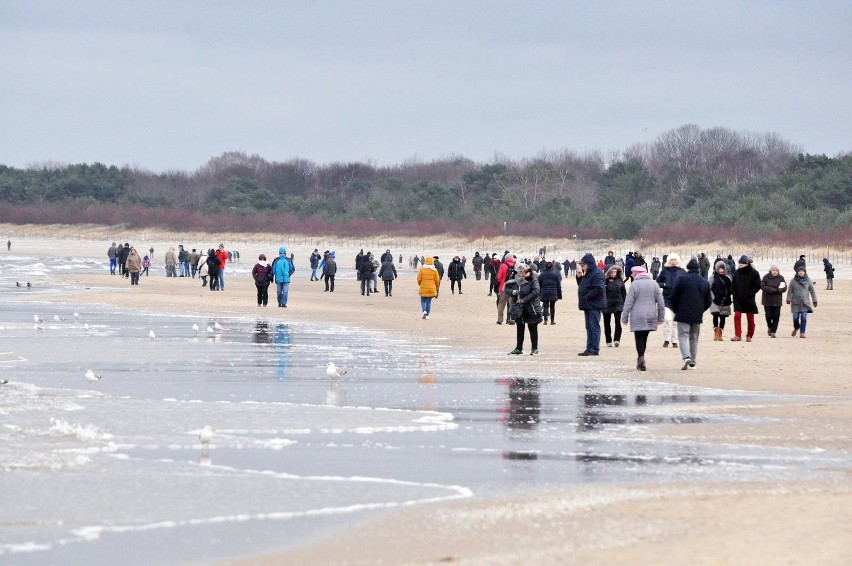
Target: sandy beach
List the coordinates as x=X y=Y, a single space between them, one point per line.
x=802 y=522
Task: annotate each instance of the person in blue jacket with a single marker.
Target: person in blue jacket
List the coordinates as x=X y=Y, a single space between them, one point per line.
x=282 y=269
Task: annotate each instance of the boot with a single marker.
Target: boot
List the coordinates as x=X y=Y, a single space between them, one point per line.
x=545 y=320
x=717 y=334
x=640 y=363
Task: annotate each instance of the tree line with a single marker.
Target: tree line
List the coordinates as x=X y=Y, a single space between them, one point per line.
x=715 y=179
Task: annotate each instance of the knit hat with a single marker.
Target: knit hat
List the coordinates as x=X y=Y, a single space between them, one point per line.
x=692 y=265
x=743 y=259
x=638 y=272
x=673 y=257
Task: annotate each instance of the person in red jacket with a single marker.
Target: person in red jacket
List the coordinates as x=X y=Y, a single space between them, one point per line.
x=503 y=272
x=223 y=259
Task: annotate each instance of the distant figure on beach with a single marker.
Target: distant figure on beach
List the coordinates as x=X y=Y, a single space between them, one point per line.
x=146 y=264
x=282 y=269
x=721 y=289
x=122 y=259
x=151 y=253
x=439 y=267
x=213 y=263
x=203 y=271
x=365 y=274
x=9 y=246
x=387 y=273
x=591 y=295
x=112 y=254
x=260 y=272
x=773 y=286
x=133 y=266
x=171 y=262
x=183 y=261
x=746 y=284
x=224 y=257
x=505 y=272
x=667 y=280
x=428 y=282
x=550 y=284
x=690 y=298
x=456 y=273
x=477 y=265
x=615 y=294
x=644 y=309
x=799 y=298
x=829 y=274
x=329 y=270
x=194 y=257
x=315 y=261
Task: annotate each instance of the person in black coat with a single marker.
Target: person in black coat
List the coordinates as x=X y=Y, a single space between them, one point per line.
x=744 y=287
x=829 y=274
x=615 y=295
x=456 y=273
x=439 y=267
x=365 y=274
x=525 y=292
x=591 y=295
x=690 y=298
x=551 y=291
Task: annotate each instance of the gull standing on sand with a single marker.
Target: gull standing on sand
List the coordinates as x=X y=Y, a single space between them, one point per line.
x=151 y=335
x=4 y=381
x=206 y=435
x=209 y=330
x=195 y=328
x=37 y=318
x=217 y=326
x=333 y=371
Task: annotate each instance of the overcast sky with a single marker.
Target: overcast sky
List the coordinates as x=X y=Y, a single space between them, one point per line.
x=168 y=85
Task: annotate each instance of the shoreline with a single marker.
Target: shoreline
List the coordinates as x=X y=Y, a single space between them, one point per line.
x=669 y=523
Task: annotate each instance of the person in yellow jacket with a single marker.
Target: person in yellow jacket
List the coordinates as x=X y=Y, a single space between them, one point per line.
x=429 y=281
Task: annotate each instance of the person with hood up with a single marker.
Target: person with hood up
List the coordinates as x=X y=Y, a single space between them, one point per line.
x=525 y=292
x=667 y=279
x=213 y=268
x=829 y=274
x=260 y=272
x=492 y=269
x=550 y=283
x=456 y=273
x=655 y=267
x=504 y=273
x=703 y=265
x=112 y=254
x=133 y=266
x=615 y=294
x=629 y=262
x=591 y=295
x=644 y=309
x=122 y=259
x=315 y=261
x=387 y=273
x=428 y=282
x=365 y=274
x=720 y=289
x=477 y=265
x=329 y=270
x=282 y=270
x=690 y=298
x=746 y=284
x=799 y=298
x=773 y=286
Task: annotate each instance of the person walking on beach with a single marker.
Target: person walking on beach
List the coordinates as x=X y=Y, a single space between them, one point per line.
x=550 y=283
x=615 y=294
x=720 y=288
x=387 y=273
x=799 y=297
x=703 y=265
x=282 y=269
x=203 y=271
x=183 y=261
x=365 y=274
x=456 y=273
x=525 y=292
x=746 y=284
x=146 y=265
x=799 y=263
x=591 y=295
x=329 y=270
x=194 y=257
x=504 y=273
x=655 y=267
x=477 y=265
x=492 y=269
x=260 y=273
x=315 y=261
x=223 y=259
x=773 y=286
x=213 y=262
x=690 y=298
x=439 y=267
x=829 y=274
x=133 y=266
x=428 y=282
x=9 y=245
x=112 y=254
x=170 y=262
x=667 y=279
x=645 y=309
x=123 y=252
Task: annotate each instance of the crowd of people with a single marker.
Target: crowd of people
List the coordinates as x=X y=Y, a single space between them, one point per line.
x=619 y=291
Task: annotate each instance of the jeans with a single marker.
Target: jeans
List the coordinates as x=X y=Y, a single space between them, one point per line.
x=593 y=330
x=314 y=274
x=426 y=304
x=800 y=321
x=282 y=292
x=184 y=269
x=221 y=279
x=687 y=339
x=113 y=263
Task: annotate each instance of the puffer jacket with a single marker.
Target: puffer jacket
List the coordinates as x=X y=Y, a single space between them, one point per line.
x=550 y=284
x=773 y=287
x=591 y=289
x=528 y=291
x=428 y=279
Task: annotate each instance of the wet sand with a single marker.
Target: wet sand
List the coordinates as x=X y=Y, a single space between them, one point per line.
x=809 y=521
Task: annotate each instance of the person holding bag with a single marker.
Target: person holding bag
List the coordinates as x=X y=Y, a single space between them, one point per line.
x=525 y=307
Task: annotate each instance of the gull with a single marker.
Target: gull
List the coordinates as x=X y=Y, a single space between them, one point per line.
x=92 y=377
x=86 y=326
x=29 y=284
x=77 y=316
x=195 y=328
x=206 y=435
x=332 y=370
x=217 y=326
x=4 y=381
x=37 y=318
x=151 y=335
x=56 y=318
x=209 y=330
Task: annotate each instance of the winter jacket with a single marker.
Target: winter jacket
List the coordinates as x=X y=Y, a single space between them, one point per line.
x=550 y=285
x=428 y=279
x=800 y=294
x=223 y=258
x=828 y=268
x=503 y=272
x=528 y=291
x=456 y=271
x=667 y=280
x=213 y=263
x=477 y=262
x=112 y=252
x=282 y=269
x=745 y=285
x=260 y=273
x=591 y=289
x=629 y=262
x=387 y=272
x=366 y=269
x=773 y=288
x=615 y=291
x=315 y=260
x=644 y=307
x=720 y=288
x=134 y=262
x=690 y=297
x=439 y=267
x=170 y=257
x=330 y=267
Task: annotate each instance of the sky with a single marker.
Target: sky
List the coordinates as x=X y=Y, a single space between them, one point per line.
x=166 y=86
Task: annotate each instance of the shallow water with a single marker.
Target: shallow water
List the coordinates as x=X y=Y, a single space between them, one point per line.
x=89 y=469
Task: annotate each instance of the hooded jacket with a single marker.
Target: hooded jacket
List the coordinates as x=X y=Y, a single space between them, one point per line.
x=387 y=272
x=455 y=271
x=720 y=287
x=503 y=272
x=529 y=291
x=800 y=294
x=428 y=279
x=615 y=290
x=551 y=284
x=591 y=289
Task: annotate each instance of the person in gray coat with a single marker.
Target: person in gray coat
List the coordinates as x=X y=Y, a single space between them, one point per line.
x=690 y=298
x=799 y=295
x=387 y=273
x=645 y=309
